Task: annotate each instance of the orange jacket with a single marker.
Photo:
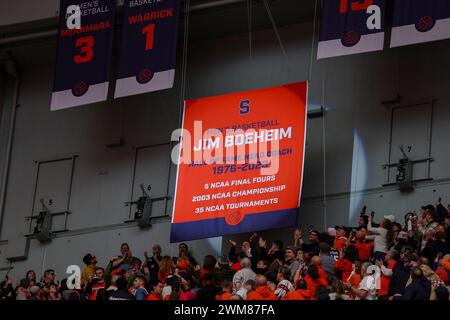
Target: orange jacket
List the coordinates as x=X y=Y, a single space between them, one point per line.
x=364 y=250
x=262 y=293
x=153 y=296
x=224 y=296
x=345 y=266
x=338 y=243
x=302 y=294
x=385 y=281
x=312 y=284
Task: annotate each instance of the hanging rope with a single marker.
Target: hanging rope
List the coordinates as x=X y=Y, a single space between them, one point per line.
x=275 y=29
x=250 y=20
x=184 y=62
x=324 y=155
x=313 y=40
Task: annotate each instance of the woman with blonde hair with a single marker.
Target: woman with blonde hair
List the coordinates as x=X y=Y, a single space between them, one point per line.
x=165 y=268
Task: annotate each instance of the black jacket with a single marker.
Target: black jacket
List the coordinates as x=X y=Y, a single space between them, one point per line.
x=419 y=289
x=399 y=279
x=224 y=272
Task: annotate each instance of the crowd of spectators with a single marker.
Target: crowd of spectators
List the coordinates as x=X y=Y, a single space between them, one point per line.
x=371 y=261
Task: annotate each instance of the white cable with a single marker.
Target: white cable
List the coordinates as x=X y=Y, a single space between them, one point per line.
x=313 y=42
x=184 y=62
x=275 y=29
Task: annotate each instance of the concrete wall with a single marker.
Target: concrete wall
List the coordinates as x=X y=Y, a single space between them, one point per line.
x=344 y=156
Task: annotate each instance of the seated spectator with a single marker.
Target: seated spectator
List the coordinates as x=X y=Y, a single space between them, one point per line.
x=328 y=262
x=442 y=294
x=338 y=291
x=418 y=289
x=275 y=251
x=426 y=223
x=432 y=277
x=355 y=277
x=291 y=262
x=186 y=293
x=222 y=270
x=165 y=268
x=317 y=261
x=139 y=290
x=364 y=248
x=209 y=262
x=156 y=293
x=183 y=251
x=313 y=246
x=96 y=283
x=151 y=264
x=262 y=291
x=91 y=262
x=344 y=266
x=301 y=292
x=122 y=291
x=443 y=268
x=341 y=237
x=123 y=261
x=209 y=290
x=367 y=289
x=29 y=277
x=387 y=271
x=227 y=289
x=314 y=279
x=248 y=250
x=48 y=278
x=284 y=284
x=400 y=273
x=262 y=267
x=53 y=293
x=322 y=294
x=245 y=273
x=437 y=244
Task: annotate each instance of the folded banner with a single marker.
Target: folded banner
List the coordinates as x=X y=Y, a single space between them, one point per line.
x=417 y=21
x=351 y=26
x=149 y=42
x=84 y=51
x=241 y=163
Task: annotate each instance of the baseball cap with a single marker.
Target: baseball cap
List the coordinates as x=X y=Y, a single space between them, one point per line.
x=223 y=259
x=390 y=217
x=429 y=207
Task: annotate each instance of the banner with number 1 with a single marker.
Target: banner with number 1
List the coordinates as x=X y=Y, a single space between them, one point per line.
x=148 y=51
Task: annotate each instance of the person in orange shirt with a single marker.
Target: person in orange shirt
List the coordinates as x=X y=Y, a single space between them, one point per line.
x=314 y=279
x=301 y=292
x=262 y=292
x=344 y=265
x=156 y=294
x=227 y=288
x=355 y=277
x=317 y=261
x=364 y=248
x=391 y=259
x=443 y=269
x=341 y=238
x=209 y=262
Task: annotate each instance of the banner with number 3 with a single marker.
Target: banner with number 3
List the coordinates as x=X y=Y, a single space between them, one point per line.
x=84 y=49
